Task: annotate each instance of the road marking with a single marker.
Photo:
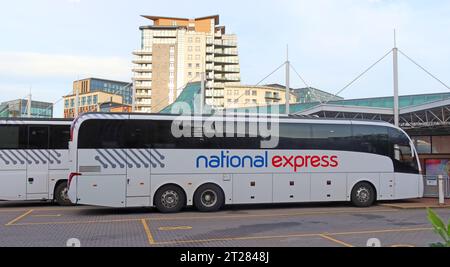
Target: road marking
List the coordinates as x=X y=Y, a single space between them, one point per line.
x=268 y=215
x=175 y=228
x=47 y=215
x=402 y=246
x=383 y=231
x=222 y=217
x=150 y=238
x=235 y=239
x=322 y=235
x=336 y=241
x=19 y=218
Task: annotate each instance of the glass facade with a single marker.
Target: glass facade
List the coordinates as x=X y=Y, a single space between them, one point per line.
x=117 y=88
x=18 y=109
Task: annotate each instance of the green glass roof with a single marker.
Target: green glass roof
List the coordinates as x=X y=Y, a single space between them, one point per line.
x=193 y=89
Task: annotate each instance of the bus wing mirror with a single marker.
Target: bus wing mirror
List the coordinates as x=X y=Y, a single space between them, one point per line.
x=413 y=148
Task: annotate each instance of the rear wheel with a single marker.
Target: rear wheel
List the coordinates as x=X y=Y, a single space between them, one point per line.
x=209 y=198
x=61 y=195
x=170 y=199
x=363 y=195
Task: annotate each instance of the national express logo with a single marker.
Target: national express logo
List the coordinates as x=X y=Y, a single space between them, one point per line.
x=226 y=160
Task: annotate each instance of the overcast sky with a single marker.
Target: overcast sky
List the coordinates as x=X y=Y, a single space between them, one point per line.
x=47 y=44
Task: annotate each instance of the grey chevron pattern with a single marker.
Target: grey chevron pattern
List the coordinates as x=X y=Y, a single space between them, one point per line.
x=130 y=158
x=30 y=157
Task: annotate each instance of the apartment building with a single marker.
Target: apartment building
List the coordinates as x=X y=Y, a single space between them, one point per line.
x=93 y=92
x=242 y=96
x=177 y=51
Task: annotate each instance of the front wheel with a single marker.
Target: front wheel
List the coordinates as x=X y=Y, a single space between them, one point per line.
x=61 y=195
x=170 y=199
x=363 y=195
x=209 y=198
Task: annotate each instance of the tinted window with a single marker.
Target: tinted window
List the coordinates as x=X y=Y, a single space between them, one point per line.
x=371 y=139
x=401 y=152
x=38 y=137
x=332 y=137
x=59 y=136
x=101 y=134
x=295 y=136
x=13 y=137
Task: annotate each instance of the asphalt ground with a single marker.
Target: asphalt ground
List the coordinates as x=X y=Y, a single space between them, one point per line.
x=38 y=224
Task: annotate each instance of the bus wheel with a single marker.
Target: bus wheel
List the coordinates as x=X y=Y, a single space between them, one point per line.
x=170 y=199
x=61 y=196
x=363 y=195
x=209 y=198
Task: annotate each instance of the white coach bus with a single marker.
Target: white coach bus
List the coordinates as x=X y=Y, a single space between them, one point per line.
x=33 y=159
x=134 y=160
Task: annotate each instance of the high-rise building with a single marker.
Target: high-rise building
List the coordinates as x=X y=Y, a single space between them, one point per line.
x=93 y=92
x=19 y=108
x=177 y=51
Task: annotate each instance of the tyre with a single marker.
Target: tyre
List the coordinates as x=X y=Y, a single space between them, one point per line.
x=60 y=196
x=363 y=195
x=209 y=198
x=170 y=199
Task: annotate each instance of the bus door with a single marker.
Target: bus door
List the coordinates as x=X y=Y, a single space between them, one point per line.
x=13 y=163
x=139 y=163
x=38 y=162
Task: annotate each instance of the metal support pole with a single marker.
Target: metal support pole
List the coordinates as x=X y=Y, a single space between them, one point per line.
x=441 y=190
x=133 y=99
x=396 y=97
x=77 y=99
x=29 y=106
x=202 y=93
x=288 y=86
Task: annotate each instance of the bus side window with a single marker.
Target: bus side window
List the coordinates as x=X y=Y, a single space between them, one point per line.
x=13 y=137
x=38 y=137
x=59 y=136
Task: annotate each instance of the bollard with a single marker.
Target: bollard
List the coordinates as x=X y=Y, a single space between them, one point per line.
x=441 y=189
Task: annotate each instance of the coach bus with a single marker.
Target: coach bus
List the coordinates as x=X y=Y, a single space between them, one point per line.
x=136 y=160
x=33 y=159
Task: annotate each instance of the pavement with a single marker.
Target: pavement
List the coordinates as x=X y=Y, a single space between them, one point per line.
x=422 y=203
x=27 y=224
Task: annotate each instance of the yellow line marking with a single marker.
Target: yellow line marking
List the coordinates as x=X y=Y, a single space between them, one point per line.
x=382 y=231
x=175 y=228
x=236 y=239
x=322 y=235
x=19 y=218
x=49 y=215
x=79 y=222
x=268 y=215
x=150 y=238
x=336 y=241
x=402 y=246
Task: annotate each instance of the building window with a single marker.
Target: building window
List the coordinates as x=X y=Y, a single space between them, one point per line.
x=236 y=92
x=172 y=65
x=190 y=48
x=66 y=103
x=229 y=92
x=197 y=40
x=189 y=57
x=190 y=74
x=83 y=101
x=197 y=48
x=254 y=93
x=247 y=92
x=197 y=65
x=254 y=101
x=190 y=65
x=247 y=101
x=197 y=57
x=190 y=40
x=95 y=99
x=72 y=102
x=440 y=144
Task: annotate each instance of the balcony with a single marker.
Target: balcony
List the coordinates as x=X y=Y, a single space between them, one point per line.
x=143 y=61
x=142 y=78
x=143 y=86
x=227 y=70
x=139 y=69
x=142 y=52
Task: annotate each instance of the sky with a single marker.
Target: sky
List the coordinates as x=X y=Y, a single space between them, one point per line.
x=47 y=44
